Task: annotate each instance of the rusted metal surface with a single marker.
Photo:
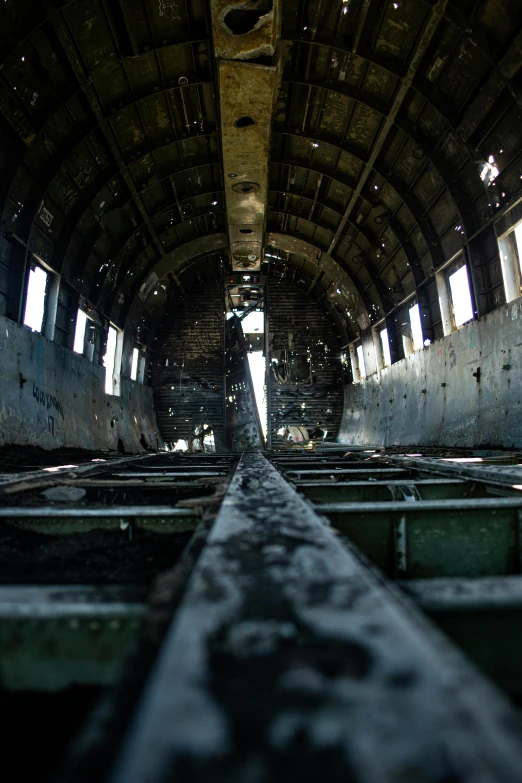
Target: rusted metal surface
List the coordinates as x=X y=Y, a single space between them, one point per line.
x=305 y=383
x=389 y=407
x=306 y=679
x=483 y=617
x=247 y=93
x=188 y=380
x=54 y=637
x=348 y=292
x=51 y=397
x=386 y=115
x=245 y=30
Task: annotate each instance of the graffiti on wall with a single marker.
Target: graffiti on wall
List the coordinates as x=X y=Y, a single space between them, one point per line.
x=49 y=401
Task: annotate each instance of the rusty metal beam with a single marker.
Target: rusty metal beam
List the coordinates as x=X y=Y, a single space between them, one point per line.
x=422 y=46
x=247 y=92
x=60 y=28
x=288 y=653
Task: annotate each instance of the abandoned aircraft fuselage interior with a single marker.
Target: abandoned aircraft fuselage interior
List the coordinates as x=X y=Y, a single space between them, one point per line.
x=260 y=391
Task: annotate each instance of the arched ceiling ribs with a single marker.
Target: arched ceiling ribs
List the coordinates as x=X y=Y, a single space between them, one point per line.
x=382 y=294
x=201 y=246
x=421 y=142
x=373 y=270
x=106 y=177
x=340 y=88
x=38 y=192
x=337 y=45
x=208 y=266
x=36 y=126
x=350 y=290
x=172 y=205
x=43 y=21
x=120 y=107
x=88 y=244
x=94 y=193
x=417 y=210
x=166 y=254
x=63 y=35
x=167 y=177
x=124 y=268
x=137 y=157
x=378 y=143
x=403 y=236
x=296 y=276
x=500 y=71
x=63 y=154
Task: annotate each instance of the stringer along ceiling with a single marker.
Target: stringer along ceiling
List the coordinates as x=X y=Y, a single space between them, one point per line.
x=386 y=116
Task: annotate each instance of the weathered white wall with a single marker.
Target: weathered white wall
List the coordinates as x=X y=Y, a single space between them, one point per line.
x=407 y=403
x=52 y=397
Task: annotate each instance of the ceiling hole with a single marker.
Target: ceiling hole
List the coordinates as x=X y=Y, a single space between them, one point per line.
x=241 y=21
x=244 y=122
x=245 y=231
x=246 y=187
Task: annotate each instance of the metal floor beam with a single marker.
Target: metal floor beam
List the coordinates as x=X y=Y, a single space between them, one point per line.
x=290 y=659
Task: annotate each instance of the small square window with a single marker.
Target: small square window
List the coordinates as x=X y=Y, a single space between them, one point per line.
x=416 y=328
x=461 y=296
x=360 y=361
x=385 y=342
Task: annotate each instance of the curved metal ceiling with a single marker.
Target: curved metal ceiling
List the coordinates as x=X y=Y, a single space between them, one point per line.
x=386 y=115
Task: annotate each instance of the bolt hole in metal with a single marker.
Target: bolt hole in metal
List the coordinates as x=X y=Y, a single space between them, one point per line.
x=244 y=122
x=242 y=20
x=246 y=187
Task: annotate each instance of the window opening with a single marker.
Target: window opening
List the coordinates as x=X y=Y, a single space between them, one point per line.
x=360 y=360
x=385 y=342
x=518 y=239
x=202 y=439
x=35 y=299
x=416 y=327
x=134 y=365
x=109 y=360
x=253 y=322
x=461 y=296
x=79 y=332
x=257 y=364
x=141 y=369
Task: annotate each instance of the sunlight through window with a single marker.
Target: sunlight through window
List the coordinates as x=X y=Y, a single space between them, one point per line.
x=253 y=322
x=518 y=237
x=416 y=328
x=386 y=355
x=108 y=361
x=79 y=334
x=461 y=296
x=35 y=299
x=256 y=360
x=360 y=360
x=134 y=366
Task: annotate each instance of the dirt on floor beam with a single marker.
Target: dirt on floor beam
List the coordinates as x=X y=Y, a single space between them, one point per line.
x=290 y=659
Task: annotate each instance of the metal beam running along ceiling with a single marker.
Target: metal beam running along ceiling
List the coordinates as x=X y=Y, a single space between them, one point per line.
x=243 y=35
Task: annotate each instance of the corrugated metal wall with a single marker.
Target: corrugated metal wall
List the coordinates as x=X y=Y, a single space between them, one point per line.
x=299 y=328
x=188 y=391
